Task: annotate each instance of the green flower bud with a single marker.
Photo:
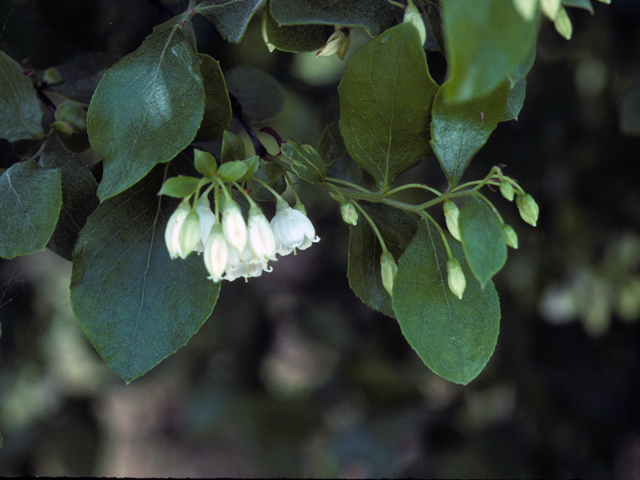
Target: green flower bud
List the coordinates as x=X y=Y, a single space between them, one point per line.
x=506 y=189
x=411 y=14
x=451 y=214
x=74 y=114
x=349 y=213
x=526 y=8
x=388 y=269
x=52 y=76
x=457 y=282
x=189 y=237
x=510 y=236
x=528 y=209
x=563 y=24
x=550 y=8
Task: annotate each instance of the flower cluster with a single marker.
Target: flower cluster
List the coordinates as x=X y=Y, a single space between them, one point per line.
x=233 y=247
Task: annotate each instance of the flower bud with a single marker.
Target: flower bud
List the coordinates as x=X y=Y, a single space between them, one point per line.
x=349 y=213
x=563 y=24
x=262 y=242
x=388 y=270
x=506 y=189
x=337 y=44
x=457 y=282
x=510 y=236
x=527 y=8
x=234 y=226
x=550 y=8
x=528 y=209
x=411 y=14
x=207 y=220
x=189 y=236
x=174 y=225
x=216 y=252
x=451 y=214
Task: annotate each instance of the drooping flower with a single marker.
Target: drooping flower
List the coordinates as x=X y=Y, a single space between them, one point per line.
x=388 y=270
x=451 y=214
x=233 y=225
x=244 y=264
x=511 y=237
x=349 y=213
x=189 y=237
x=262 y=242
x=207 y=220
x=292 y=229
x=456 y=280
x=528 y=209
x=216 y=253
x=174 y=225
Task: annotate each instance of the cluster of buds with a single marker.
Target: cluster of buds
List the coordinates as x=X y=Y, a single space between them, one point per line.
x=233 y=247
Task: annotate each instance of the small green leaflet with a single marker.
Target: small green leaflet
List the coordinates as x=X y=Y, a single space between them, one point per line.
x=454 y=338
x=305 y=161
x=385 y=102
x=146 y=109
x=135 y=304
x=230 y=17
x=20 y=114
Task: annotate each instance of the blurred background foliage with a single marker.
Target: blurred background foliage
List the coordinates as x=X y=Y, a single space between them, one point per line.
x=292 y=375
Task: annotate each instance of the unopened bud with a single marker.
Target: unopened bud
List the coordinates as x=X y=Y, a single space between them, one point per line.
x=189 y=237
x=349 y=213
x=388 y=269
x=451 y=214
x=563 y=24
x=528 y=209
x=411 y=14
x=457 y=282
x=526 y=8
x=52 y=76
x=233 y=225
x=511 y=237
x=337 y=44
x=506 y=189
x=550 y=8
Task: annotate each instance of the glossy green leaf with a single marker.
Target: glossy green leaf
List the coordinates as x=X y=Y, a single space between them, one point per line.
x=204 y=162
x=385 y=101
x=459 y=131
x=146 y=109
x=232 y=171
x=397 y=229
x=482 y=238
x=217 y=106
x=79 y=200
x=258 y=93
x=230 y=17
x=339 y=163
x=180 y=186
x=485 y=41
x=136 y=305
x=295 y=38
x=232 y=148
x=273 y=175
x=30 y=202
x=515 y=100
x=20 y=114
x=454 y=338
x=374 y=15
x=584 y=4
x=252 y=164
x=305 y=161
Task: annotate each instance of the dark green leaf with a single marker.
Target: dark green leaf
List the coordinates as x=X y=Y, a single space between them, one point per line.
x=584 y=4
x=385 y=101
x=232 y=171
x=259 y=94
x=515 y=100
x=305 y=161
x=180 y=186
x=20 y=114
x=81 y=75
x=522 y=69
x=76 y=142
x=217 y=106
x=273 y=175
x=374 y=15
x=397 y=229
x=232 y=148
x=454 y=338
x=459 y=131
x=230 y=17
x=146 y=109
x=135 y=304
x=485 y=41
x=339 y=163
x=252 y=164
x=79 y=200
x=295 y=38
x=30 y=202
x=482 y=238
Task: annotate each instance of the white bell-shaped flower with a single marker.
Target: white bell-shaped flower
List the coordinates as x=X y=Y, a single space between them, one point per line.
x=189 y=237
x=292 y=229
x=174 y=225
x=216 y=253
x=233 y=225
x=262 y=242
x=207 y=220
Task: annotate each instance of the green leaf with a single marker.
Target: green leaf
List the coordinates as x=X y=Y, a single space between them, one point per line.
x=522 y=69
x=385 y=101
x=305 y=161
x=515 y=101
x=20 y=114
x=374 y=15
x=232 y=171
x=81 y=75
x=295 y=38
x=482 y=238
x=217 y=106
x=136 y=305
x=230 y=17
x=485 y=41
x=79 y=200
x=459 y=131
x=232 y=148
x=146 y=109
x=454 y=338
x=205 y=163
x=273 y=175
x=339 y=163
x=252 y=164
x=259 y=94
x=30 y=202
x=584 y=4
x=180 y=186
x=397 y=229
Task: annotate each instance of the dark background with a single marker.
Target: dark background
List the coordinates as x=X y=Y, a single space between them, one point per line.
x=293 y=375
